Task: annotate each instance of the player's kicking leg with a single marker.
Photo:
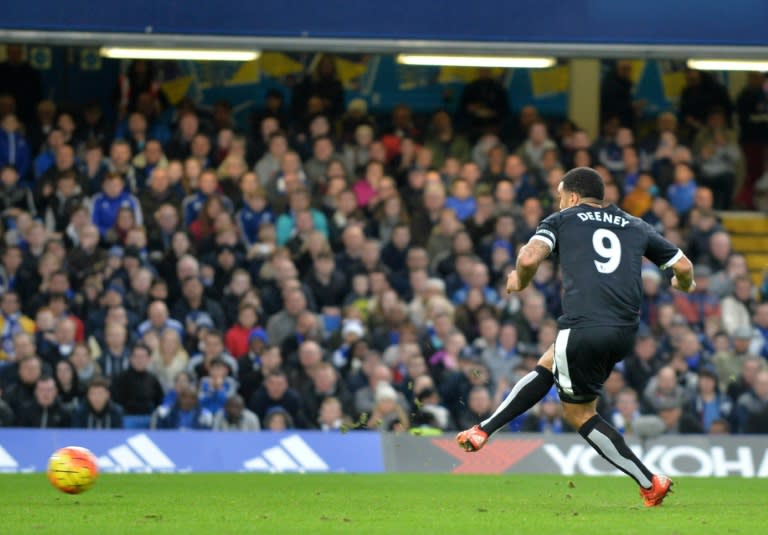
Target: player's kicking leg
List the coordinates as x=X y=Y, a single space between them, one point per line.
x=610 y=444
x=525 y=394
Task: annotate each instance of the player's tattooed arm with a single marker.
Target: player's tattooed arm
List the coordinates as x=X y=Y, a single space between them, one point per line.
x=683 y=278
x=531 y=255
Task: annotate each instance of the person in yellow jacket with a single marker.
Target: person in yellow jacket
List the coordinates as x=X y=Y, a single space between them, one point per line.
x=12 y=322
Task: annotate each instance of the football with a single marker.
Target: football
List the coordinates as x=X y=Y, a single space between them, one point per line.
x=72 y=469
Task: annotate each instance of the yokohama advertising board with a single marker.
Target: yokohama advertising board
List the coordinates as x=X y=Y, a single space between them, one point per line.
x=569 y=454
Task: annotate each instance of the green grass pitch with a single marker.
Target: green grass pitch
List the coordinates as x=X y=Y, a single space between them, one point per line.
x=387 y=503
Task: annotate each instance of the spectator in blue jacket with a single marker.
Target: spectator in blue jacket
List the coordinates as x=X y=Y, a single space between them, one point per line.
x=681 y=194
x=186 y=413
x=253 y=215
x=107 y=204
x=217 y=387
x=14 y=149
x=208 y=184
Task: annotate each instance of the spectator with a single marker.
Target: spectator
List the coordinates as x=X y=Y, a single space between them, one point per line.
x=108 y=203
x=45 y=410
x=709 y=404
x=169 y=358
x=624 y=416
x=719 y=158
x=275 y=393
x=12 y=322
x=753 y=133
x=14 y=149
x=484 y=102
x=547 y=417
x=185 y=413
x=444 y=141
x=702 y=93
x=616 y=95
x=235 y=417
x=212 y=349
x=97 y=410
x=21 y=392
x=752 y=407
x=217 y=387
x=136 y=389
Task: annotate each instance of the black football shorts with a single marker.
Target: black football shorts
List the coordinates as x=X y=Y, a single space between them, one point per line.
x=584 y=358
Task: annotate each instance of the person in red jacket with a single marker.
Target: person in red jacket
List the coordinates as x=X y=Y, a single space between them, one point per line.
x=238 y=336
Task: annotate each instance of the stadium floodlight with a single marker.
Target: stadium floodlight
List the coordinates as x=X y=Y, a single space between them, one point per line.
x=507 y=62
x=178 y=54
x=727 y=65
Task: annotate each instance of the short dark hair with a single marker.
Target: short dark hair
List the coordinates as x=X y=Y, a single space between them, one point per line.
x=99 y=382
x=585 y=182
x=142 y=347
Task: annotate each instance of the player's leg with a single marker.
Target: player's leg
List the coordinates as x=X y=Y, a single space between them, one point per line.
x=525 y=394
x=583 y=360
x=606 y=440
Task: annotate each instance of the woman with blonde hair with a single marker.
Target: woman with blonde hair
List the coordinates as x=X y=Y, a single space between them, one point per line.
x=169 y=358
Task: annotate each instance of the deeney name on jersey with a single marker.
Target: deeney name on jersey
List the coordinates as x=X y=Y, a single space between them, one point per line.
x=605 y=217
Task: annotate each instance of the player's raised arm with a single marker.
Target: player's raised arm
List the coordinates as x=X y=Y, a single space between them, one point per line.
x=531 y=255
x=683 y=275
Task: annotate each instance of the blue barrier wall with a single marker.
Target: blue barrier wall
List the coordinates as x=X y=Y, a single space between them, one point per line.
x=737 y=22
x=197 y=451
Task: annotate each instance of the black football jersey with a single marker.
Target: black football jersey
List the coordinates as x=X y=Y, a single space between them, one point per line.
x=600 y=251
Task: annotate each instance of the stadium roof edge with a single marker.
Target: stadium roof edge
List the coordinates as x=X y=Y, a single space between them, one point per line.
x=385 y=46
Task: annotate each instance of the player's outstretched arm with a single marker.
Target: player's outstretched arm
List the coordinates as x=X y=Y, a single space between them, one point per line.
x=683 y=278
x=531 y=255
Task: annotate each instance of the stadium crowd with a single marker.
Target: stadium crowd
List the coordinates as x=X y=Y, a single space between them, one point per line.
x=333 y=270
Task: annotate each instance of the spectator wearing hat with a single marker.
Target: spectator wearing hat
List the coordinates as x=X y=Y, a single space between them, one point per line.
x=97 y=410
x=352 y=330
x=752 y=407
x=709 y=403
x=235 y=417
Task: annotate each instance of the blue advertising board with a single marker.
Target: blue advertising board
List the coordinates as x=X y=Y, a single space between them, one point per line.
x=197 y=451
